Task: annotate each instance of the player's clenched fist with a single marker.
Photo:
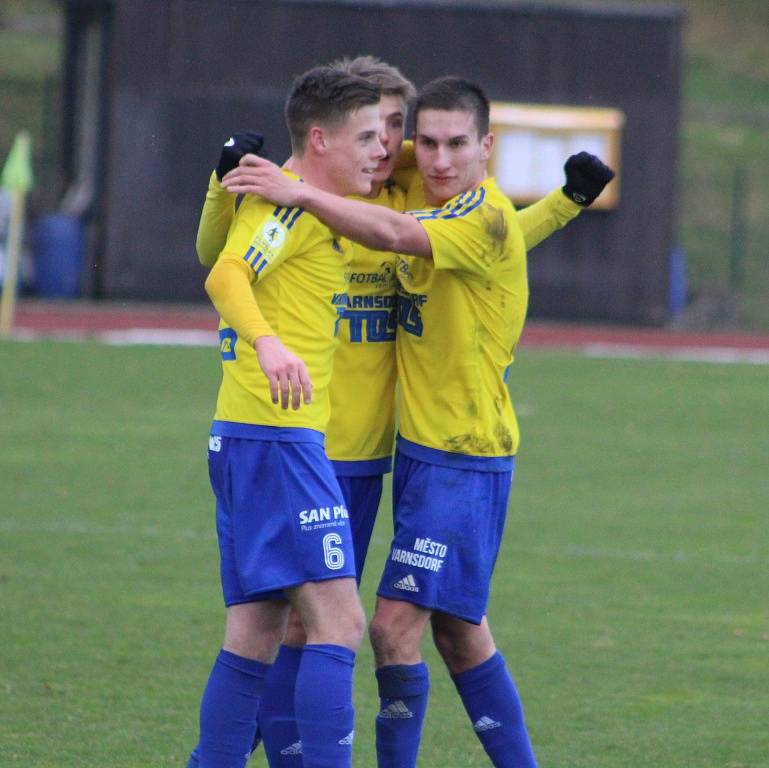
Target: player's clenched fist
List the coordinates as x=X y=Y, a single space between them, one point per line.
x=586 y=176
x=286 y=372
x=235 y=147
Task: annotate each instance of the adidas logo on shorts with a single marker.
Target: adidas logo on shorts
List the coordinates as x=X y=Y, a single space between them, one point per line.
x=294 y=749
x=407 y=583
x=396 y=711
x=347 y=740
x=486 y=724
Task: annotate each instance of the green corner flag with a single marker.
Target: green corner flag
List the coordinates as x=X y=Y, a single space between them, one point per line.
x=17 y=171
x=16 y=178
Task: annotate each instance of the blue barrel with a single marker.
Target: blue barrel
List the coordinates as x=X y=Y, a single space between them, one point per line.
x=59 y=256
x=677 y=284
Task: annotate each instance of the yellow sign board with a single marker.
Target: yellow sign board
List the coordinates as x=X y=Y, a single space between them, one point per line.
x=533 y=141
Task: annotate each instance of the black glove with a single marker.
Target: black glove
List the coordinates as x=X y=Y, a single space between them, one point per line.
x=586 y=176
x=239 y=144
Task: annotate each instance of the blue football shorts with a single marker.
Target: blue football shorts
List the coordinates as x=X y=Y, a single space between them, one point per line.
x=362 y=496
x=448 y=524
x=281 y=518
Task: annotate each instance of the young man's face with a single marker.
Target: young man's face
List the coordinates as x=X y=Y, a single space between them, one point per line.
x=450 y=154
x=353 y=151
x=392 y=116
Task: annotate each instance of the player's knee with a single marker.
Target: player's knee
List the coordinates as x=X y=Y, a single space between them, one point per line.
x=345 y=626
x=350 y=626
x=381 y=638
x=394 y=641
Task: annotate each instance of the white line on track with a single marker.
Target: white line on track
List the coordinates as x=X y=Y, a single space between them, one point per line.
x=683 y=354
x=127 y=337
x=602 y=350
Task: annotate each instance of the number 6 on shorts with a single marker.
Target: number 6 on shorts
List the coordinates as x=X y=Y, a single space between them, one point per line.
x=333 y=556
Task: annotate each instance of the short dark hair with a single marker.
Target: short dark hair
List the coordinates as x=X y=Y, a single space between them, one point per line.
x=325 y=95
x=455 y=93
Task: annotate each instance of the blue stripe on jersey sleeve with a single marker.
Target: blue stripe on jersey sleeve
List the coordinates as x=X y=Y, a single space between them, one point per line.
x=251 y=260
x=433 y=212
x=289 y=215
x=471 y=205
x=297 y=214
x=459 y=208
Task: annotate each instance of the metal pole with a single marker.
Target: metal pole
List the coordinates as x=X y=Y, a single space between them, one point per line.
x=737 y=240
x=12 y=258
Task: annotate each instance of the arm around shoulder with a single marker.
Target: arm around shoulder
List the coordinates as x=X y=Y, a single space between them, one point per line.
x=371 y=225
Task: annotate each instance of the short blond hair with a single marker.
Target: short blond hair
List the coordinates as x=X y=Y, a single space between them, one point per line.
x=387 y=77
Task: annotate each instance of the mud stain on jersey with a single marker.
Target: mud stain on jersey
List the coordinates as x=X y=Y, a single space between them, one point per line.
x=495 y=224
x=474 y=445
x=504 y=437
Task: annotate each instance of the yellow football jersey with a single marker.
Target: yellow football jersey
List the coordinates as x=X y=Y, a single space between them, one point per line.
x=296 y=267
x=359 y=437
x=460 y=317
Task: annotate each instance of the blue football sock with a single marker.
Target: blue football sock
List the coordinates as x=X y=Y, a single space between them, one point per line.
x=492 y=702
x=277 y=721
x=403 y=692
x=323 y=706
x=228 y=712
x=194 y=761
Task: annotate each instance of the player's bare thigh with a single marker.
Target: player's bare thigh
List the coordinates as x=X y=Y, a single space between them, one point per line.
x=330 y=611
x=255 y=630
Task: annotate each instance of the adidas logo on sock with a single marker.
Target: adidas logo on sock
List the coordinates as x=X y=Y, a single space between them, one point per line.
x=407 y=583
x=347 y=740
x=294 y=749
x=486 y=724
x=396 y=711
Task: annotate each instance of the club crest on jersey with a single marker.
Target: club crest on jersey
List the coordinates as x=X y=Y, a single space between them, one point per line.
x=273 y=235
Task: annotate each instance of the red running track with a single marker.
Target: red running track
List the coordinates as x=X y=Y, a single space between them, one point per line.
x=70 y=319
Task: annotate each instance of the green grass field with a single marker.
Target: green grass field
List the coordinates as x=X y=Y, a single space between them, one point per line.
x=630 y=597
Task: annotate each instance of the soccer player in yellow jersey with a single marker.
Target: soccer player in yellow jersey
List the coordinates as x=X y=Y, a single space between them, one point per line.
x=461 y=311
x=360 y=431
x=282 y=523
